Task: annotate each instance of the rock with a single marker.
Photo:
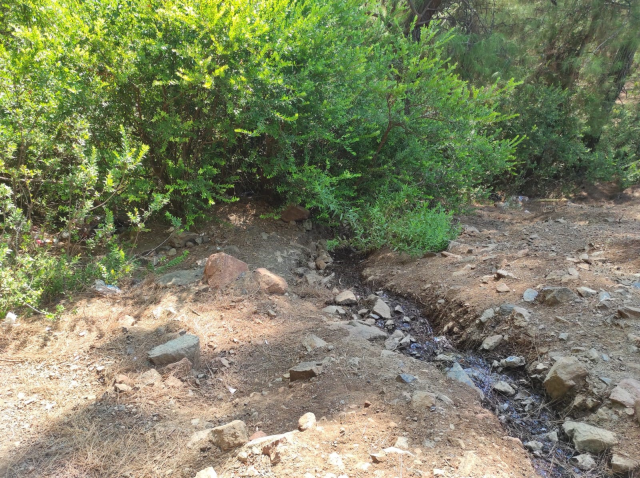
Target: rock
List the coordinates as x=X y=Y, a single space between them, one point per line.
x=520 y=316
x=422 y=401
x=150 y=377
x=200 y=440
x=491 y=342
x=530 y=295
x=502 y=288
x=207 y=473
x=584 y=462
x=230 y=436
x=604 y=296
x=486 y=315
x=123 y=387
x=402 y=443
x=513 y=362
x=222 y=269
x=307 y=421
x=124 y=379
x=503 y=274
x=394 y=341
x=589 y=438
x=620 y=464
x=457 y=373
x=627 y=312
x=185 y=346
x=626 y=393
x=294 y=213
x=312 y=342
x=566 y=376
x=556 y=295
x=506 y=309
x=181 y=239
x=242 y=457
x=313 y=277
x=378 y=457
x=380 y=308
x=504 y=387
x=405 y=378
x=533 y=445
x=346 y=298
x=586 y=292
x=269 y=282
x=563 y=336
x=359 y=330
x=334 y=309
x=392 y=450
x=180 y=278
x=305 y=370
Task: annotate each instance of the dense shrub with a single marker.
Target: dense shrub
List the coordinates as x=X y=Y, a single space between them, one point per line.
x=324 y=103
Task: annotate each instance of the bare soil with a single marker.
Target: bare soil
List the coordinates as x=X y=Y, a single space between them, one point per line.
x=60 y=415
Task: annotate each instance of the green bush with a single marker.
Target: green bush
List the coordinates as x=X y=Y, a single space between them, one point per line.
x=111 y=111
x=396 y=221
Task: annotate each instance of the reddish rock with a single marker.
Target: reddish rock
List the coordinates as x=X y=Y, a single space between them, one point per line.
x=222 y=269
x=256 y=435
x=270 y=282
x=294 y=213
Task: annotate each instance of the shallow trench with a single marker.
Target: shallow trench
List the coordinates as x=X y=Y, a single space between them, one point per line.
x=525 y=415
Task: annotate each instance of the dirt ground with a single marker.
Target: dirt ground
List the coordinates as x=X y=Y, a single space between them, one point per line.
x=60 y=415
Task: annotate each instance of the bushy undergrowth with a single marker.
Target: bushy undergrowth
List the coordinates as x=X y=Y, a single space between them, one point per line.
x=396 y=221
x=111 y=111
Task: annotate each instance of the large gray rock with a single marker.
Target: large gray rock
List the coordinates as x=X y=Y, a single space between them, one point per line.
x=363 y=331
x=626 y=393
x=346 y=298
x=620 y=464
x=491 y=342
x=504 y=387
x=566 y=376
x=422 y=401
x=584 y=462
x=627 y=312
x=305 y=370
x=180 y=278
x=457 y=373
x=230 y=436
x=312 y=342
x=185 y=346
x=589 y=438
x=557 y=295
x=530 y=295
x=379 y=306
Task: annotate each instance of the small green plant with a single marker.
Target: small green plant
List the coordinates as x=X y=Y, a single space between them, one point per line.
x=403 y=224
x=332 y=244
x=172 y=263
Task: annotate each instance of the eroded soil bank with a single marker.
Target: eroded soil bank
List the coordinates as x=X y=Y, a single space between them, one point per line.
x=589 y=253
